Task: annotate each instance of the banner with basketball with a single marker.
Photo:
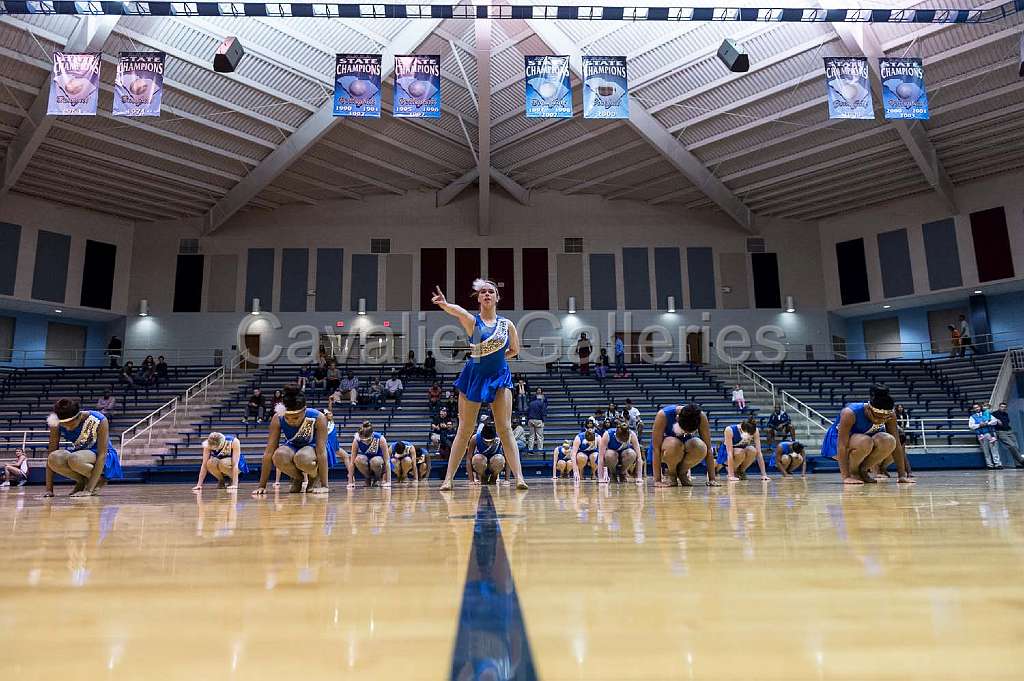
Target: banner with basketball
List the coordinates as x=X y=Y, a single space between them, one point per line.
x=605 y=92
x=75 y=86
x=849 y=90
x=418 y=86
x=903 y=93
x=357 y=85
x=139 y=84
x=548 y=91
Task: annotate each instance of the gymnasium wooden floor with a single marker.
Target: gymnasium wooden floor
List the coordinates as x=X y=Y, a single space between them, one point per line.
x=793 y=579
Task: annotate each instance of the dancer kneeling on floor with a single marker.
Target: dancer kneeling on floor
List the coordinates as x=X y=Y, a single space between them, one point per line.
x=741 y=447
x=787 y=457
x=222 y=458
x=486 y=453
x=619 y=455
x=371 y=456
x=681 y=439
x=584 y=451
x=561 y=461
x=404 y=462
x=90 y=459
x=296 y=444
x=864 y=435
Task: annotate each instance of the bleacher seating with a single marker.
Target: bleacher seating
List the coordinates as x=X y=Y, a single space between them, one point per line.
x=27 y=395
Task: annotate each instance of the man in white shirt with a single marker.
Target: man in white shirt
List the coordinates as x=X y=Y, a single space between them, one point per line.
x=633 y=416
x=393 y=389
x=965 y=336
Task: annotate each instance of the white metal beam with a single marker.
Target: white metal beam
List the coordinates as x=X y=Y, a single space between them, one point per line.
x=559 y=148
x=89 y=35
x=482 y=29
x=862 y=38
x=590 y=160
x=661 y=139
x=455 y=187
x=619 y=172
x=405 y=42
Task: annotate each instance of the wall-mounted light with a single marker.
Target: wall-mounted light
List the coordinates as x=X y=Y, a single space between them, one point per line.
x=256 y=306
x=977 y=290
x=572 y=304
x=886 y=307
x=362 y=306
x=790 y=305
x=58 y=311
x=143 y=308
x=671 y=304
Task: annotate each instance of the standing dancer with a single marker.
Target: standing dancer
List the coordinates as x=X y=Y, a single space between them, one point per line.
x=865 y=434
x=485 y=377
x=296 y=444
x=222 y=458
x=91 y=459
x=681 y=438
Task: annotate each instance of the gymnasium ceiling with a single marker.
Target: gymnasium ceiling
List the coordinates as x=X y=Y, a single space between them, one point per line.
x=764 y=135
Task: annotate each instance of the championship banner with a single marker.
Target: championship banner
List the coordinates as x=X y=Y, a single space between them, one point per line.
x=139 y=84
x=605 y=93
x=418 y=86
x=548 y=92
x=849 y=90
x=75 y=86
x=903 y=93
x=357 y=85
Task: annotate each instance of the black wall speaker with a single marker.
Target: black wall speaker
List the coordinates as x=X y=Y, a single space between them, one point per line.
x=229 y=53
x=734 y=57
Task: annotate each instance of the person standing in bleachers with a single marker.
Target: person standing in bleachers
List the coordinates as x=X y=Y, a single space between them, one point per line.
x=161 y=370
x=965 y=336
x=741 y=446
x=584 y=348
x=114 y=351
x=536 y=415
x=983 y=423
x=620 y=358
x=1005 y=434
x=430 y=366
x=90 y=458
x=296 y=444
x=485 y=377
x=863 y=435
x=222 y=458
x=681 y=439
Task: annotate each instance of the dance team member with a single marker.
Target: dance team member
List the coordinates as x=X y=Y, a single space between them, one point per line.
x=681 y=439
x=90 y=458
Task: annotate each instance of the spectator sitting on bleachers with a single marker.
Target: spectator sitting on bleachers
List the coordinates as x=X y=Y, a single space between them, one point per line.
x=902 y=422
x=16 y=471
x=277 y=399
x=410 y=369
x=320 y=373
x=350 y=388
x=442 y=430
x=633 y=418
x=305 y=376
x=393 y=389
x=519 y=434
x=779 y=423
x=114 y=352
x=430 y=366
x=147 y=377
x=434 y=398
x=127 y=375
x=522 y=392
x=333 y=380
x=375 y=396
x=603 y=365
x=614 y=413
x=738 y=399
x=449 y=401
x=256 y=407
x=161 y=369
x=105 y=404
x=147 y=363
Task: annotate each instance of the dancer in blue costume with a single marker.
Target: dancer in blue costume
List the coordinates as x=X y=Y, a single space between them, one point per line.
x=681 y=439
x=90 y=460
x=485 y=377
x=788 y=456
x=297 y=444
x=486 y=454
x=371 y=455
x=584 y=451
x=865 y=434
x=741 y=446
x=619 y=452
x=222 y=458
x=404 y=461
x=561 y=461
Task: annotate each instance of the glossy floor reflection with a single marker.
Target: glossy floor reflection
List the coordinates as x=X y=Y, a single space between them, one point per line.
x=793 y=579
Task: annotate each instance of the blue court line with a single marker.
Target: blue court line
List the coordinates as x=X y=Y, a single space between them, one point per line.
x=491 y=642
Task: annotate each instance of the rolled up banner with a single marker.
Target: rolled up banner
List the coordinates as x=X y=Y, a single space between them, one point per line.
x=605 y=92
x=903 y=93
x=75 y=86
x=418 y=86
x=849 y=90
x=357 y=85
x=548 y=91
x=139 y=84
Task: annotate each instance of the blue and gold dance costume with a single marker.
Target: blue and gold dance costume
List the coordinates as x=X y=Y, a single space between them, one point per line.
x=407 y=452
x=585 y=447
x=85 y=437
x=486 y=371
x=332 y=444
x=369 y=448
x=302 y=435
x=739 y=439
x=787 y=448
x=225 y=453
x=671 y=418
x=862 y=425
x=487 y=450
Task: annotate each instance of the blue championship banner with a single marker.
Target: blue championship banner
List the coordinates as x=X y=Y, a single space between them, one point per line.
x=605 y=91
x=418 y=86
x=357 y=85
x=75 y=86
x=139 y=84
x=548 y=92
x=903 y=93
x=849 y=90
